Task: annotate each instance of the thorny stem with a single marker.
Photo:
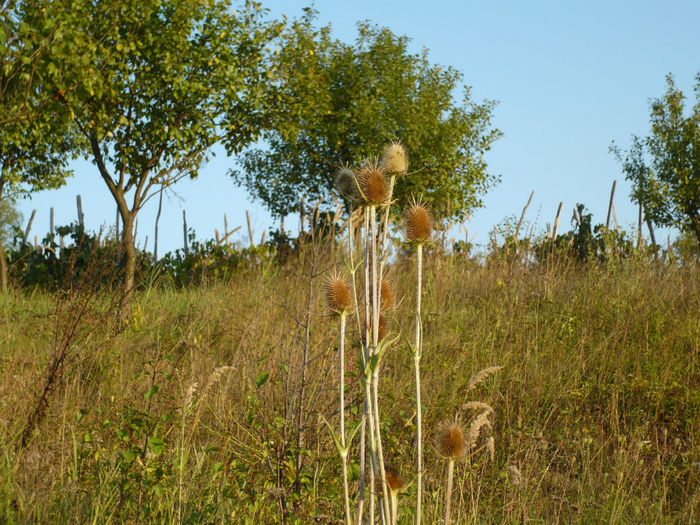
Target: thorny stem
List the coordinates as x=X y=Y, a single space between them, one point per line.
x=419 y=411
x=375 y=344
x=448 y=493
x=368 y=395
x=341 y=395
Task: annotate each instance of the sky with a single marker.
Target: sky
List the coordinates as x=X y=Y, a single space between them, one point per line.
x=569 y=77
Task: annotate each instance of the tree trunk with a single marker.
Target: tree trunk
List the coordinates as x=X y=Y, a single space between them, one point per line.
x=129 y=264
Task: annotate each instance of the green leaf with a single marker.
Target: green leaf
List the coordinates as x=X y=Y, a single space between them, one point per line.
x=156 y=445
x=261 y=379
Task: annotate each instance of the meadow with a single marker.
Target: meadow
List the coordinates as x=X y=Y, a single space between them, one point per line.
x=207 y=405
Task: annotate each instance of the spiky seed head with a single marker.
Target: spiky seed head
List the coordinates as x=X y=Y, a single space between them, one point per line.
x=451 y=442
x=387 y=292
x=383 y=329
x=345 y=183
x=395 y=482
x=419 y=223
x=338 y=295
x=394 y=158
x=373 y=184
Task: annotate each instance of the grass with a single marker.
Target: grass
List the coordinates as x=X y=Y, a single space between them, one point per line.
x=596 y=407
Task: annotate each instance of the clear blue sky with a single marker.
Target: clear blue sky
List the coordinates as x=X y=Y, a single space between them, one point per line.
x=569 y=76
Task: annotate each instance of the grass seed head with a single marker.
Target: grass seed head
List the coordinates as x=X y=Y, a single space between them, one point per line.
x=394 y=158
x=419 y=223
x=338 y=295
x=345 y=183
x=451 y=442
x=373 y=184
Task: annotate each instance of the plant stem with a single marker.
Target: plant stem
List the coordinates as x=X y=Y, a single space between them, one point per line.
x=341 y=396
x=448 y=493
x=375 y=343
x=419 y=411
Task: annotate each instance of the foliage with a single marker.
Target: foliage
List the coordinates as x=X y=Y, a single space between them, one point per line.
x=35 y=137
x=59 y=263
x=664 y=167
x=10 y=219
x=157 y=84
x=341 y=103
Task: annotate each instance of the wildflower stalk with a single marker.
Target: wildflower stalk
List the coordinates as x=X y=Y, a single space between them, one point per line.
x=448 y=492
x=374 y=348
x=416 y=362
x=341 y=395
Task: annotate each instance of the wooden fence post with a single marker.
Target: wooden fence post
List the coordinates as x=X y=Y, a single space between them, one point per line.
x=556 y=222
x=155 y=240
x=29 y=227
x=184 y=232
x=250 y=229
x=610 y=206
x=81 y=217
x=522 y=216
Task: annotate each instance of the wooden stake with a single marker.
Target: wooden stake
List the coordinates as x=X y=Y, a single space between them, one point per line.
x=81 y=217
x=617 y=224
x=29 y=227
x=556 y=221
x=250 y=229
x=184 y=231
x=155 y=239
x=51 y=221
x=522 y=216
x=610 y=206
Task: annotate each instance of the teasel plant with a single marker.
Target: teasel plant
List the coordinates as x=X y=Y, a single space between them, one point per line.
x=369 y=191
x=418 y=230
x=454 y=443
x=340 y=303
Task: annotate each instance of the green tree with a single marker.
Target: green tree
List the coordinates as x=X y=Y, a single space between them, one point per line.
x=341 y=103
x=35 y=135
x=160 y=84
x=664 y=167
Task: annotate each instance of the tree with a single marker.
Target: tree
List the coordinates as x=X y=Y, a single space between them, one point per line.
x=35 y=137
x=664 y=167
x=342 y=103
x=160 y=84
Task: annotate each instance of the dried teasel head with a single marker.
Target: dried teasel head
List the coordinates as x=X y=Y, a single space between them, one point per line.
x=451 y=442
x=419 y=223
x=345 y=183
x=372 y=183
x=394 y=158
x=395 y=482
x=338 y=295
x=387 y=291
x=383 y=328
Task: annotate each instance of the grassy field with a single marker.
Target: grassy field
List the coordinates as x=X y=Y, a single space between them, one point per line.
x=194 y=412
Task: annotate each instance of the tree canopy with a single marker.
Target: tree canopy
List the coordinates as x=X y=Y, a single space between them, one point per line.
x=35 y=137
x=664 y=167
x=341 y=103
x=155 y=85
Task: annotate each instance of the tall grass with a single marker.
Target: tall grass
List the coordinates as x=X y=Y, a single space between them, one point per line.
x=189 y=414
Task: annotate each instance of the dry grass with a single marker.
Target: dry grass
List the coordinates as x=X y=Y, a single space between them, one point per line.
x=596 y=407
